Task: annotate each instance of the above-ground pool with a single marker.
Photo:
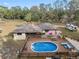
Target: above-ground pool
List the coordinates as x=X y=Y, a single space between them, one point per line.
x=44 y=47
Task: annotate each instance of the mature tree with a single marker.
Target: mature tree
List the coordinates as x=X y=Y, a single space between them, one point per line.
x=34 y=9
x=35 y=13
x=42 y=7
x=35 y=17
x=16 y=12
x=28 y=17
x=72 y=8
x=2 y=11
x=58 y=10
x=44 y=12
x=24 y=12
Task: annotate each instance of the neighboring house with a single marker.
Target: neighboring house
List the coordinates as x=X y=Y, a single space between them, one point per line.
x=22 y=31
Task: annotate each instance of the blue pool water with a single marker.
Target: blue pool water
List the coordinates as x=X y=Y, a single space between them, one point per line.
x=44 y=47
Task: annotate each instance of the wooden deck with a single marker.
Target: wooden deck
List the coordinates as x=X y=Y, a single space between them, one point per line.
x=27 y=51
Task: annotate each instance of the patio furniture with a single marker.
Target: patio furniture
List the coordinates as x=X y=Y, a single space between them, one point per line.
x=67 y=45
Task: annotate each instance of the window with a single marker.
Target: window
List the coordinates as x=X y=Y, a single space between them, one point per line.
x=57 y=57
x=19 y=33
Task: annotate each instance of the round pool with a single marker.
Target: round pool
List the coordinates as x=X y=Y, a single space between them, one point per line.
x=44 y=47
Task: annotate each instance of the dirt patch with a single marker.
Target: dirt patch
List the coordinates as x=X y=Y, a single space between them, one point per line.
x=9 y=25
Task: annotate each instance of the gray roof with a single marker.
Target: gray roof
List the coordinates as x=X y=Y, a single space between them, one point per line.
x=32 y=28
x=27 y=28
x=46 y=26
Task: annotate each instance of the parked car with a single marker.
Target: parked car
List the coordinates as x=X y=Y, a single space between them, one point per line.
x=71 y=27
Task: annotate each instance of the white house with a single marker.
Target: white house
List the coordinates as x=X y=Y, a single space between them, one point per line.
x=20 y=33
x=19 y=36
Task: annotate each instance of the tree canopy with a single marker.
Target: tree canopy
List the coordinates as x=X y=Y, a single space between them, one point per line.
x=60 y=11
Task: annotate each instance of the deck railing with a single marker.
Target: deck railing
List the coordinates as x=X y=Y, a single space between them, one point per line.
x=21 y=50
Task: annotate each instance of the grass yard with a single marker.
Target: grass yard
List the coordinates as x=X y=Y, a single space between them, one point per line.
x=74 y=35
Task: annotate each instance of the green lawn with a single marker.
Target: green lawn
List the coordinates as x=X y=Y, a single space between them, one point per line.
x=74 y=35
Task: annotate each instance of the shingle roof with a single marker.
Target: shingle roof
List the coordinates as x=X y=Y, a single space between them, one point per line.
x=26 y=28
x=46 y=26
x=30 y=28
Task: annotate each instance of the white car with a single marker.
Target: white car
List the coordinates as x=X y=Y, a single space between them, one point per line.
x=71 y=27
